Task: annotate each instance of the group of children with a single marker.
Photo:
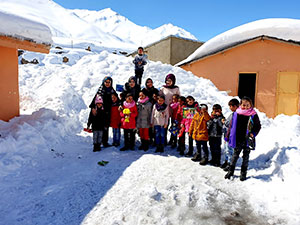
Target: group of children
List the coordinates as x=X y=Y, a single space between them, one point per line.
x=153 y=114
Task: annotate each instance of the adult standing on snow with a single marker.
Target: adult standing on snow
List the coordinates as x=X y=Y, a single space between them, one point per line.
x=105 y=91
x=168 y=91
x=139 y=61
x=131 y=87
x=150 y=90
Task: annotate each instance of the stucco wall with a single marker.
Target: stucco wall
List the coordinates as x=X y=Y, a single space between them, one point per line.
x=264 y=57
x=160 y=51
x=9 y=91
x=181 y=49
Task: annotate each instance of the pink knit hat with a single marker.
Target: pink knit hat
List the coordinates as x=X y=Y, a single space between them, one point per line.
x=98 y=99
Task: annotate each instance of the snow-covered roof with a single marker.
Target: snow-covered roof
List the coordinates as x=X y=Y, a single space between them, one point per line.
x=283 y=29
x=24 y=29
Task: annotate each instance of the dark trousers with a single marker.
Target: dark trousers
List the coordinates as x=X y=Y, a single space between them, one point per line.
x=129 y=138
x=138 y=76
x=151 y=135
x=181 y=141
x=215 y=149
x=202 y=145
x=191 y=144
x=105 y=136
x=235 y=157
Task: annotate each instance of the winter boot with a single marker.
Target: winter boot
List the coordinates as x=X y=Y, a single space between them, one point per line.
x=146 y=145
x=196 y=157
x=230 y=172
x=203 y=161
x=95 y=148
x=174 y=144
x=226 y=168
x=190 y=152
x=142 y=146
x=243 y=176
x=224 y=165
x=124 y=148
x=157 y=148
x=162 y=148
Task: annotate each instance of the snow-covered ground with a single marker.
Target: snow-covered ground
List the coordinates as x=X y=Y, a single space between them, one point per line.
x=49 y=174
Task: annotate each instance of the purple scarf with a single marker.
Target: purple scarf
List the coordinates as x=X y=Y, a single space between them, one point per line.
x=160 y=107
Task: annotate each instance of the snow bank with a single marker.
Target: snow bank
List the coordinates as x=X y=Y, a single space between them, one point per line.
x=286 y=29
x=24 y=29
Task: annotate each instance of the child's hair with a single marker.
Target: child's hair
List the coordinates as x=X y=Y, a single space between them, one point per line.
x=234 y=102
x=190 y=97
x=182 y=98
x=217 y=106
x=176 y=96
x=141 y=48
x=129 y=95
x=144 y=91
x=115 y=94
x=161 y=96
x=203 y=106
x=245 y=98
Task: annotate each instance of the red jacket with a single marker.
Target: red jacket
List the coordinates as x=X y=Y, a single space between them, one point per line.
x=131 y=123
x=115 y=117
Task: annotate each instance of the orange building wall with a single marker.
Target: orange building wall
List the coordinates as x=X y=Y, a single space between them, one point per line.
x=9 y=91
x=264 y=57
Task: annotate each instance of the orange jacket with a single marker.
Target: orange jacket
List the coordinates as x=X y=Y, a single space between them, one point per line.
x=198 y=128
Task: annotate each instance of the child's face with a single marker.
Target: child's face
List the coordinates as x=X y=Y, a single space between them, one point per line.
x=217 y=112
x=233 y=108
x=107 y=83
x=190 y=101
x=169 y=82
x=154 y=97
x=174 y=99
x=114 y=98
x=245 y=105
x=129 y=99
x=149 y=84
x=180 y=102
x=140 y=51
x=160 y=101
x=131 y=83
x=142 y=96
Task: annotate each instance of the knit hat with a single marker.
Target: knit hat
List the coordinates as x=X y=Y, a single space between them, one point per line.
x=98 y=99
x=172 y=77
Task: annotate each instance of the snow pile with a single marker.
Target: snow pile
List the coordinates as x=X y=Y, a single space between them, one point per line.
x=24 y=29
x=286 y=29
x=46 y=157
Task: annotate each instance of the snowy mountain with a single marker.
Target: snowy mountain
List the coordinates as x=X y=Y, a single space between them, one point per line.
x=104 y=28
x=112 y=22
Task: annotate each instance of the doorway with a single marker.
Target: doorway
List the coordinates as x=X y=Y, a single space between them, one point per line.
x=247 y=85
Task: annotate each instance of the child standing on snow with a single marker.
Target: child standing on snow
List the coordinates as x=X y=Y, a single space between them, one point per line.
x=215 y=127
x=159 y=119
x=174 y=123
x=139 y=61
x=179 y=117
x=243 y=128
x=143 y=121
x=233 y=105
x=199 y=132
x=115 y=119
x=128 y=113
x=188 y=114
x=96 y=119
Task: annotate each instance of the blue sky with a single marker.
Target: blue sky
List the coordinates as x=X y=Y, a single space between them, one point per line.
x=204 y=19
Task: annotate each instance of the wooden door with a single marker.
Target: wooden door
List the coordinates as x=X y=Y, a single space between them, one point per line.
x=288 y=93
